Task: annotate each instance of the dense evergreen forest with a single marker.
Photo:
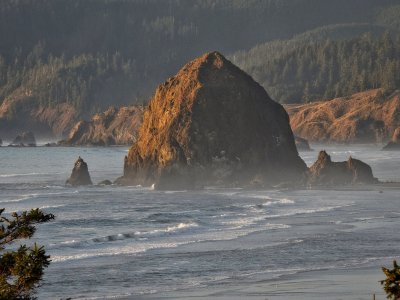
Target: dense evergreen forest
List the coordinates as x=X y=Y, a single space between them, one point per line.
x=94 y=53
x=303 y=71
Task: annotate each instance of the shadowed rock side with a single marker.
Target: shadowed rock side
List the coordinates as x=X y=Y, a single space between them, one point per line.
x=366 y=117
x=80 y=174
x=112 y=127
x=25 y=139
x=212 y=124
x=302 y=144
x=394 y=144
x=325 y=172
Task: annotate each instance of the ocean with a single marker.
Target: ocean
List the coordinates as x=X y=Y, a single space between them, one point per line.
x=112 y=242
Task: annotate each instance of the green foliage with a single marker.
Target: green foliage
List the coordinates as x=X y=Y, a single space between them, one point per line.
x=22 y=269
x=302 y=70
x=391 y=284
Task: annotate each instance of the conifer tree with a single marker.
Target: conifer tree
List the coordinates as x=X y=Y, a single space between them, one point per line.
x=21 y=269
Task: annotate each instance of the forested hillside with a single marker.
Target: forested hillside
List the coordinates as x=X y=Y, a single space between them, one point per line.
x=90 y=54
x=303 y=70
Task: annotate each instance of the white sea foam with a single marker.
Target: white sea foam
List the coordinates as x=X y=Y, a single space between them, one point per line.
x=37 y=195
x=306 y=211
x=23 y=174
x=51 y=206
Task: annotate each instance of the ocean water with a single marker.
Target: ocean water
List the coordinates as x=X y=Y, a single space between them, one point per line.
x=133 y=242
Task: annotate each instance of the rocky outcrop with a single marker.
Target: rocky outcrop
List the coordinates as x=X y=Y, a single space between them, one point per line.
x=366 y=117
x=112 y=127
x=394 y=144
x=325 y=172
x=212 y=124
x=25 y=139
x=302 y=144
x=80 y=174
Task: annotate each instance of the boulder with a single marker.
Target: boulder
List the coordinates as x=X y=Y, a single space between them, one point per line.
x=80 y=174
x=26 y=139
x=394 y=144
x=212 y=124
x=325 y=172
x=302 y=144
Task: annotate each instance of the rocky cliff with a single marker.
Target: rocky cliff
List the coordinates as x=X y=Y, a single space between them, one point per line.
x=212 y=124
x=365 y=117
x=112 y=127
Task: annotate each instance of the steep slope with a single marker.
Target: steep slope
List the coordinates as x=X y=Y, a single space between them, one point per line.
x=212 y=124
x=364 y=117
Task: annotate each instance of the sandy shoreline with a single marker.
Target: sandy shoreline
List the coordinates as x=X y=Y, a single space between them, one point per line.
x=337 y=284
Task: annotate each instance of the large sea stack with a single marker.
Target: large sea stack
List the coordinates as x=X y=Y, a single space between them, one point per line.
x=212 y=124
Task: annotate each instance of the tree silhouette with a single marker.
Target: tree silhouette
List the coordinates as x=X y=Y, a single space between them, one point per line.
x=392 y=282
x=22 y=269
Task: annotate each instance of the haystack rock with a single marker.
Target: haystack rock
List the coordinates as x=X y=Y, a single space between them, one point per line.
x=112 y=127
x=26 y=139
x=80 y=174
x=212 y=124
x=302 y=144
x=394 y=144
x=325 y=172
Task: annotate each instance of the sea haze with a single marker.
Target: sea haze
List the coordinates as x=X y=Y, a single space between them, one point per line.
x=134 y=242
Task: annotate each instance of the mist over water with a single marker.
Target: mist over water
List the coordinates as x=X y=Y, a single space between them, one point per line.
x=132 y=242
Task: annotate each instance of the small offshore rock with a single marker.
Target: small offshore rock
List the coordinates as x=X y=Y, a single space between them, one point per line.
x=105 y=182
x=26 y=139
x=50 y=145
x=325 y=172
x=80 y=174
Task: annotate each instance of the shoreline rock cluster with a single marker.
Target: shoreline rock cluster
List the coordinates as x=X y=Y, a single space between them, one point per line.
x=25 y=139
x=212 y=124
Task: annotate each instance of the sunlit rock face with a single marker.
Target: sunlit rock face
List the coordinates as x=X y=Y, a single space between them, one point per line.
x=212 y=124
x=325 y=172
